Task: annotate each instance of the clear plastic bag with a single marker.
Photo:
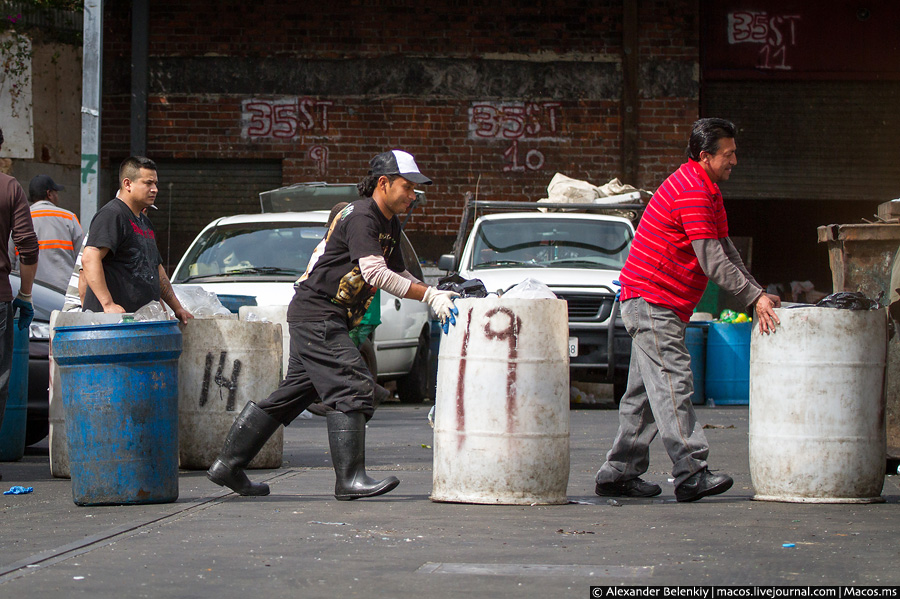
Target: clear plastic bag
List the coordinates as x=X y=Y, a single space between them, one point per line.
x=530 y=289
x=200 y=303
x=251 y=316
x=152 y=311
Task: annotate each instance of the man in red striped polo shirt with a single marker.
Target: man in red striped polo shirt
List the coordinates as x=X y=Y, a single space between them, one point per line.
x=681 y=242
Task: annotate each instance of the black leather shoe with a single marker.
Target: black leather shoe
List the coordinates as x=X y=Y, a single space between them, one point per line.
x=702 y=484
x=628 y=488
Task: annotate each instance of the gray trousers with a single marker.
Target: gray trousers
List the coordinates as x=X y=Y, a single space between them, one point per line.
x=657 y=398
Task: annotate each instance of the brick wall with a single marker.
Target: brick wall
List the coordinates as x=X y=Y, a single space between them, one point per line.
x=489 y=97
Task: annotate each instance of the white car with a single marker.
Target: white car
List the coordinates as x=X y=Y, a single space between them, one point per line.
x=262 y=255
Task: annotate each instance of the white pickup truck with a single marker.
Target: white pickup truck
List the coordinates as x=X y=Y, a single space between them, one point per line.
x=578 y=254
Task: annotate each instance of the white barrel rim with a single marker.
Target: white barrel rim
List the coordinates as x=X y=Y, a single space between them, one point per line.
x=799 y=499
x=494 y=500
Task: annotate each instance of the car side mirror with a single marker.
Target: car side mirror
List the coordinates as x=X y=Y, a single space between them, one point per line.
x=447 y=262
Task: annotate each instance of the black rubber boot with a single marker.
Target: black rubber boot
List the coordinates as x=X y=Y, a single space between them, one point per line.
x=248 y=434
x=347 y=439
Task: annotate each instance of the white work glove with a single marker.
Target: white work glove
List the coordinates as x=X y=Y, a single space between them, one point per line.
x=442 y=304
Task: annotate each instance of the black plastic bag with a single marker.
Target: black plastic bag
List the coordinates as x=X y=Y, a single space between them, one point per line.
x=848 y=300
x=464 y=287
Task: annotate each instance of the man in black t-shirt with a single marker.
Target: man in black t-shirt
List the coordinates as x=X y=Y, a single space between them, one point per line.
x=121 y=262
x=362 y=254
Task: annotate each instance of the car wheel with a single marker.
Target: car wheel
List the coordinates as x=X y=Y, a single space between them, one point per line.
x=413 y=387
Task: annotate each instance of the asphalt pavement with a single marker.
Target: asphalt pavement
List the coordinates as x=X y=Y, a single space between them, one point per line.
x=301 y=542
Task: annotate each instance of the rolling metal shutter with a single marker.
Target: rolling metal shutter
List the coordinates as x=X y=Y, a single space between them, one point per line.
x=811 y=140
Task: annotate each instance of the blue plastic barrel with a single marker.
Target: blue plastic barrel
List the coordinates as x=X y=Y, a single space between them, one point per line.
x=120 y=391
x=728 y=363
x=15 y=419
x=695 y=340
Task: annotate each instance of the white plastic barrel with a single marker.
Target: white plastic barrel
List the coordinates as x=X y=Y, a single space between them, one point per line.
x=816 y=407
x=501 y=430
x=59 y=442
x=224 y=364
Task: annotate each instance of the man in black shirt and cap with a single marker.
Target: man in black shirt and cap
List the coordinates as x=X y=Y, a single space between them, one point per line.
x=361 y=254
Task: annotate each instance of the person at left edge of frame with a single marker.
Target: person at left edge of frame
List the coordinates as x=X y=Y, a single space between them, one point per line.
x=15 y=220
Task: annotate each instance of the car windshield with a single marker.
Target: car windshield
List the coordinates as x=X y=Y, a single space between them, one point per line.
x=278 y=252
x=551 y=242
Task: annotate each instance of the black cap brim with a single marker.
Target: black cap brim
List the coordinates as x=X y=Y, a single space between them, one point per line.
x=417 y=178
